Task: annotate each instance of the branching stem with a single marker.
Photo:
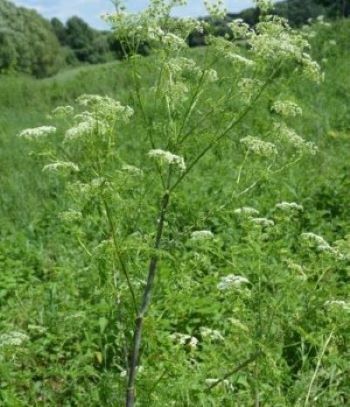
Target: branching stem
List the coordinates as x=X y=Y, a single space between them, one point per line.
x=146 y=299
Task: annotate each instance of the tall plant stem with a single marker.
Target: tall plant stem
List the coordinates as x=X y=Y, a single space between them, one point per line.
x=146 y=300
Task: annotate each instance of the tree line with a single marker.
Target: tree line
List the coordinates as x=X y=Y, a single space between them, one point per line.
x=32 y=45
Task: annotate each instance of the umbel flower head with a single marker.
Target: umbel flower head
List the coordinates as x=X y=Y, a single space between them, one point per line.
x=289 y=206
x=168 y=158
x=13 y=338
x=246 y=211
x=231 y=281
x=259 y=147
x=37 y=132
x=202 y=235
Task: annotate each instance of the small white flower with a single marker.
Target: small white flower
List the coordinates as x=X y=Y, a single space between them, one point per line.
x=238 y=58
x=13 y=339
x=81 y=130
x=131 y=169
x=232 y=281
x=211 y=75
x=37 y=132
x=289 y=136
x=193 y=342
x=202 y=235
x=264 y=222
x=70 y=216
x=54 y=167
x=314 y=239
x=286 y=108
x=184 y=339
x=246 y=211
x=212 y=334
x=288 y=206
x=168 y=157
x=63 y=111
x=259 y=147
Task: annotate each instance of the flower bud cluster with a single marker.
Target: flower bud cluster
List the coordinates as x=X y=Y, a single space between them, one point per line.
x=286 y=108
x=259 y=147
x=168 y=157
x=289 y=206
x=289 y=136
x=202 y=235
x=216 y=8
x=37 y=132
x=13 y=339
x=231 y=281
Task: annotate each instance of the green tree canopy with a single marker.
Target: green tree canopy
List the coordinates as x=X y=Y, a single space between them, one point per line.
x=27 y=42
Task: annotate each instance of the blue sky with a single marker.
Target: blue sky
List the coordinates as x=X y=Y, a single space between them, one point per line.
x=90 y=10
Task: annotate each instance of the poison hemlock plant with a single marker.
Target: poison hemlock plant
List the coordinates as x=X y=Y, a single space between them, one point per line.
x=248 y=297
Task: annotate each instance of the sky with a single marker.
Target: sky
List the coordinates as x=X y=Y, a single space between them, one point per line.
x=91 y=10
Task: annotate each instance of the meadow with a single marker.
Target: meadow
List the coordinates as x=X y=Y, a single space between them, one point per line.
x=278 y=337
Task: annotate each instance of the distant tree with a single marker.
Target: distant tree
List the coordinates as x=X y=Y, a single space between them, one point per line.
x=27 y=42
x=8 y=56
x=299 y=11
x=59 y=29
x=336 y=7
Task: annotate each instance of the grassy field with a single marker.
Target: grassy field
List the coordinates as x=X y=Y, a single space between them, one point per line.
x=56 y=287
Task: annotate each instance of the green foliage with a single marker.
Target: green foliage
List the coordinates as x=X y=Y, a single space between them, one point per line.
x=62 y=287
x=27 y=43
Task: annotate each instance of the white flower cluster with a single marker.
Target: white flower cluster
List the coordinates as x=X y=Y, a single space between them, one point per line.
x=173 y=41
x=311 y=68
x=259 y=147
x=83 y=129
x=321 y=245
x=263 y=222
x=231 y=281
x=62 y=111
x=229 y=51
x=183 y=66
x=154 y=26
x=289 y=136
x=61 y=165
x=211 y=334
x=209 y=382
x=289 y=206
x=240 y=29
x=105 y=108
x=286 y=108
x=216 y=9
x=264 y=5
x=211 y=75
x=100 y=119
x=295 y=267
x=131 y=169
x=184 y=339
x=70 y=216
x=13 y=339
x=202 y=235
x=37 y=132
x=239 y=59
x=168 y=157
x=246 y=211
